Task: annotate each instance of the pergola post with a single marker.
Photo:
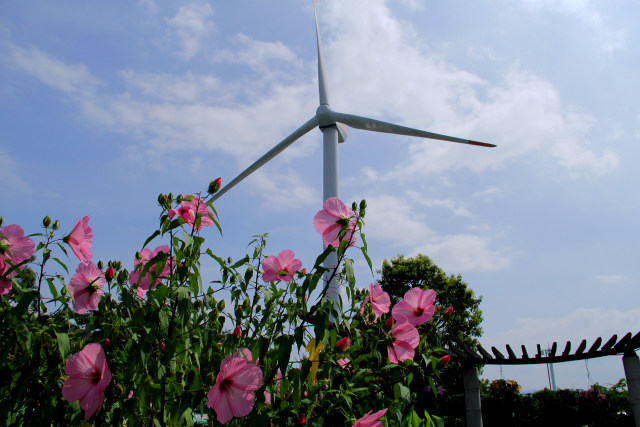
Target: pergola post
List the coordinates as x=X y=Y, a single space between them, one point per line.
x=472 y=396
x=632 y=373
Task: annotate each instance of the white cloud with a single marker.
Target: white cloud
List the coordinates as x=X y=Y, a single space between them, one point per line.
x=10 y=177
x=449 y=204
x=524 y=113
x=396 y=220
x=72 y=79
x=488 y=194
x=583 y=323
x=282 y=190
x=262 y=57
x=464 y=253
x=611 y=278
x=609 y=38
x=187 y=88
x=191 y=25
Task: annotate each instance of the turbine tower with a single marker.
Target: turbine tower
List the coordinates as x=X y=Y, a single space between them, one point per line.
x=331 y=123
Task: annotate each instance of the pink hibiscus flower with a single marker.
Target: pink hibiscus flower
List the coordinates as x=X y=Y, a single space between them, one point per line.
x=80 y=240
x=417 y=306
x=405 y=340
x=86 y=288
x=282 y=267
x=15 y=248
x=380 y=300
x=331 y=218
x=233 y=393
x=89 y=376
x=138 y=265
x=344 y=362
x=371 y=420
x=188 y=212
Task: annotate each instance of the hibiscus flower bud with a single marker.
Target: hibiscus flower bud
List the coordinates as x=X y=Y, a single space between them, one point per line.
x=302 y=419
x=109 y=273
x=237 y=332
x=161 y=346
x=99 y=265
x=449 y=311
x=46 y=221
x=55 y=226
x=1 y=221
x=343 y=343
x=389 y=322
x=214 y=185
x=445 y=359
x=107 y=342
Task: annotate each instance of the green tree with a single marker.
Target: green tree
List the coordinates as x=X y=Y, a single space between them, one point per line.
x=401 y=274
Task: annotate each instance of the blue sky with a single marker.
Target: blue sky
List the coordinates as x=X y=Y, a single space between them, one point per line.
x=105 y=105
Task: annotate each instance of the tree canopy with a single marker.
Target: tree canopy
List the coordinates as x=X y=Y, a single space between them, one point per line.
x=401 y=274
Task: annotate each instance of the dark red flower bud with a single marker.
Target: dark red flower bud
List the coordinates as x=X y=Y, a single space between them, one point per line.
x=389 y=323
x=445 y=359
x=107 y=342
x=449 y=311
x=109 y=273
x=302 y=419
x=161 y=345
x=214 y=185
x=344 y=343
x=237 y=332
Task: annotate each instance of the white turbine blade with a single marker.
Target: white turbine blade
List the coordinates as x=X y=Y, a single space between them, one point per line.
x=322 y=75
x=281 y=146
x=366 y=123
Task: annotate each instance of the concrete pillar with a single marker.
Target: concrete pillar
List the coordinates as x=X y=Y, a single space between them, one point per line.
x=632 y=372
x=472 y=396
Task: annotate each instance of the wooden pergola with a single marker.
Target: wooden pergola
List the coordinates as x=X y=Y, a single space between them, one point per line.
x=470 y=358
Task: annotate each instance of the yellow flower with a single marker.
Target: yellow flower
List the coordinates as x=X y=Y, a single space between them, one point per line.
x=314 y=356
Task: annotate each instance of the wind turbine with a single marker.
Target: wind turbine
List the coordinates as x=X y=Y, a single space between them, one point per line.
x=331 y=123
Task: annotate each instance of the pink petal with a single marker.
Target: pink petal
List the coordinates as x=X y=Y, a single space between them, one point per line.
x=403 y=350
x=80 y=240
x=20 y=248
x=5 y=286
x=406 y=332
x=220 y=404
x=92 y=401
x=285 y=258
x=330 y=235
x=249 y=379
x=240 y=402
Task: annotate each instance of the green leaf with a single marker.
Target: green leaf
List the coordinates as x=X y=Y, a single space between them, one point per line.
x=150 y=238
x=241 y=262
x=25 y=300
x=348 y=271
x=63 y=343
x=248 y=274
x=363 y=248
x=46 y=253
x=320 y=326
x=284 y=344
x=52 y=287
x=61 y=264
x=434 y=389
x=400 y=391
x=163 y=317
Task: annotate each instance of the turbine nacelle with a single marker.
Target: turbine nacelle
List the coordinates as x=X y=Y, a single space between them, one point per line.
x=326 y=119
